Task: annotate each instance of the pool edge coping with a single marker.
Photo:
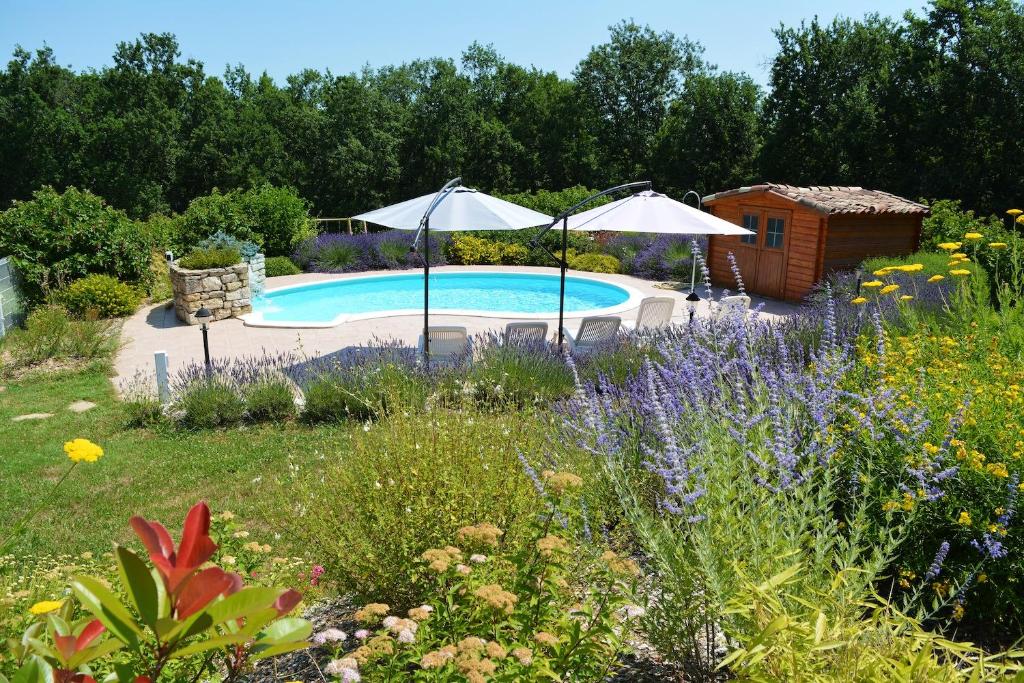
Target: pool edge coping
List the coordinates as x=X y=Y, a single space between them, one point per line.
x=255 y=319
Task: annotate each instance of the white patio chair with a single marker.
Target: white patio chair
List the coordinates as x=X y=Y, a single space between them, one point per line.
x=525 y=333
x=446 y=342
x=732 y=305
x=655 y=312
x=594 y=332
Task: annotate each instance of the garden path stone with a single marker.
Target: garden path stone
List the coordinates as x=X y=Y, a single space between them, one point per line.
x=81 y=406
x=31 y=416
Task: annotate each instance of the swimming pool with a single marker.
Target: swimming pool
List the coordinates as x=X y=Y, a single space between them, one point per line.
x=476 y=293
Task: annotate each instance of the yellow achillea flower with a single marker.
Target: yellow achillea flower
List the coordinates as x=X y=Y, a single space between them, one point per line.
x=859 y=300
x=1020 y=219
x=973 y=236
x=906 y=297
x=46 y=606
x=882 y=272
x=81 y=450
x=889 y=289
x=959 y=255
x=964 y=519
x=911 y=268
x=950 y=246
x=936 y=278
x=960 y=272
x=1014 y=212
x=873 y=283
x=998 y=245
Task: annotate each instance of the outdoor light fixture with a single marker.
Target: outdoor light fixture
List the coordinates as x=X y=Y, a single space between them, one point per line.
x=691 y=303
x=203 y=315
x=169 y=256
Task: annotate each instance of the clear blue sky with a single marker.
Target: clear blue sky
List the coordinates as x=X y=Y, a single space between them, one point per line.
x=284 y=36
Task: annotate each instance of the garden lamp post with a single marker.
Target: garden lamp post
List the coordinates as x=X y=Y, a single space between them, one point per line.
x=203 y=315
x=691 y=303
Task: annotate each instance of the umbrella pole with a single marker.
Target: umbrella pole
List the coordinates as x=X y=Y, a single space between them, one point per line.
x=426 y=292
x=693 y=273
x=561 y=293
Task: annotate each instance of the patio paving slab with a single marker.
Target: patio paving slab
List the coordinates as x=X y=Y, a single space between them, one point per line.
x=32 y=416
x=81 y=406
x=156 y=328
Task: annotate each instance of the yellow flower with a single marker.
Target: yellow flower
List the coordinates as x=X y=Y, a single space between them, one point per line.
x=973 y=236
x=83 y=449
x=889 y=289
x=950 y=246
x=958 y=255
x=1020 y=219
x=873 y=283
x=998 y=245
x=882 y=272
x=858 y=301
x=998 y=469
x=1014 y=212
x=46 y=606
x=964 y=519
x=936 y=278
x=911 y=268
x=960 y=272
x=906 y=297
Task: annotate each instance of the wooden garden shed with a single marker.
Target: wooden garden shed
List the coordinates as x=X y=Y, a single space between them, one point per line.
x=803 y=233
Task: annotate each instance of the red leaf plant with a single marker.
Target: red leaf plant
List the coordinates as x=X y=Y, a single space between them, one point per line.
x=68 y=646
x=190 y=589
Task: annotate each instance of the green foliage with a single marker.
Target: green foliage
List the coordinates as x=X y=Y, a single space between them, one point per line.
x=552 y=609
x=55 y=238
x=210 y=404
x=407 y=487
x=98 y=296
x=203 y=259
x=363 y=392
x=274 y=218
x=596 y=263
x=269 y=399
x=336 y=256
x=51 y=337
x=277 y=266
x=554 y=202
x=827 y=639
x=469 y=250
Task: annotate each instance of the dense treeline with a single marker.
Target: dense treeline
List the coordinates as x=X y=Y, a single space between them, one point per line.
x=922 y=106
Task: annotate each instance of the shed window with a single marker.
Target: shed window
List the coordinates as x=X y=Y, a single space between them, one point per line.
x=750 y=222
x=774 y=235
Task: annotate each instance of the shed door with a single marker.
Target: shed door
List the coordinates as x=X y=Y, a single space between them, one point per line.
x=762 y=257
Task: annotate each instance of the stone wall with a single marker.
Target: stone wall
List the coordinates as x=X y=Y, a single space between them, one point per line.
x=257 y=274
x=224 y=291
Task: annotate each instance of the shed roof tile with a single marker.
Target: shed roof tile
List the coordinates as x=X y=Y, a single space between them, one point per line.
x=833 y=199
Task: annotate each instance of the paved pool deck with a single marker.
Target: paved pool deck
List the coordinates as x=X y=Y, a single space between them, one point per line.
x=156 y=328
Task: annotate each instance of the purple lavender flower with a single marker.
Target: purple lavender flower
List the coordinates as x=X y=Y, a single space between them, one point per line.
x=936 y=566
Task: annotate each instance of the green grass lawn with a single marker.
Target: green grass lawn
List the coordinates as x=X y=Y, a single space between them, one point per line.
x=155 y=474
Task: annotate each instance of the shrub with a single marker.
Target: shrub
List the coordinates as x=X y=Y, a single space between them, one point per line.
x=469 y=250
x=54 y=239
x=363 y=390
x=98 y=296
x=654 y=257
x=517 y=374
x=338 y=253
x=222 y=240
x=595 y=263
x=408 y=486
x=203 y=259
x=276 y=219
x=269 y=399
x=50 y=335
x=142 y=411
x=555 y=610
x=278 y=266
x=210 y=403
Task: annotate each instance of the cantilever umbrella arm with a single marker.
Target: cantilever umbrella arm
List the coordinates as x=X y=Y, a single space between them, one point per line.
x=563 y=263
x=424 y=229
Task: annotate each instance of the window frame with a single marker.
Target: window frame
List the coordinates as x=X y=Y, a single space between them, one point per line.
x=780 y=235
x=755 y=239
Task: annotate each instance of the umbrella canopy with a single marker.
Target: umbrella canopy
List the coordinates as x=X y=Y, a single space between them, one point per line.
x=462 y=209
x=651 y=211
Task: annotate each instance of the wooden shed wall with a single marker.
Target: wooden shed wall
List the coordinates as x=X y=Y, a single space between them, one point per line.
x=801 y=261
x=854 y=237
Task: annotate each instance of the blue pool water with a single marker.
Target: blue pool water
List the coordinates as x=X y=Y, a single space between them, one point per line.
x=486 y=292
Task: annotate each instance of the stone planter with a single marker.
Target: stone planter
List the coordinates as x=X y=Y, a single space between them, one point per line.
x=224 y=291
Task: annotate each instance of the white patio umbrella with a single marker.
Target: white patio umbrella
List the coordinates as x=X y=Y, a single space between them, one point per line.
x=643 y=211
x=454 y=208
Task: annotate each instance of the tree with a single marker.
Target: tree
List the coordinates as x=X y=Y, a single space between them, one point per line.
x=627 y=85
x=709 y=140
